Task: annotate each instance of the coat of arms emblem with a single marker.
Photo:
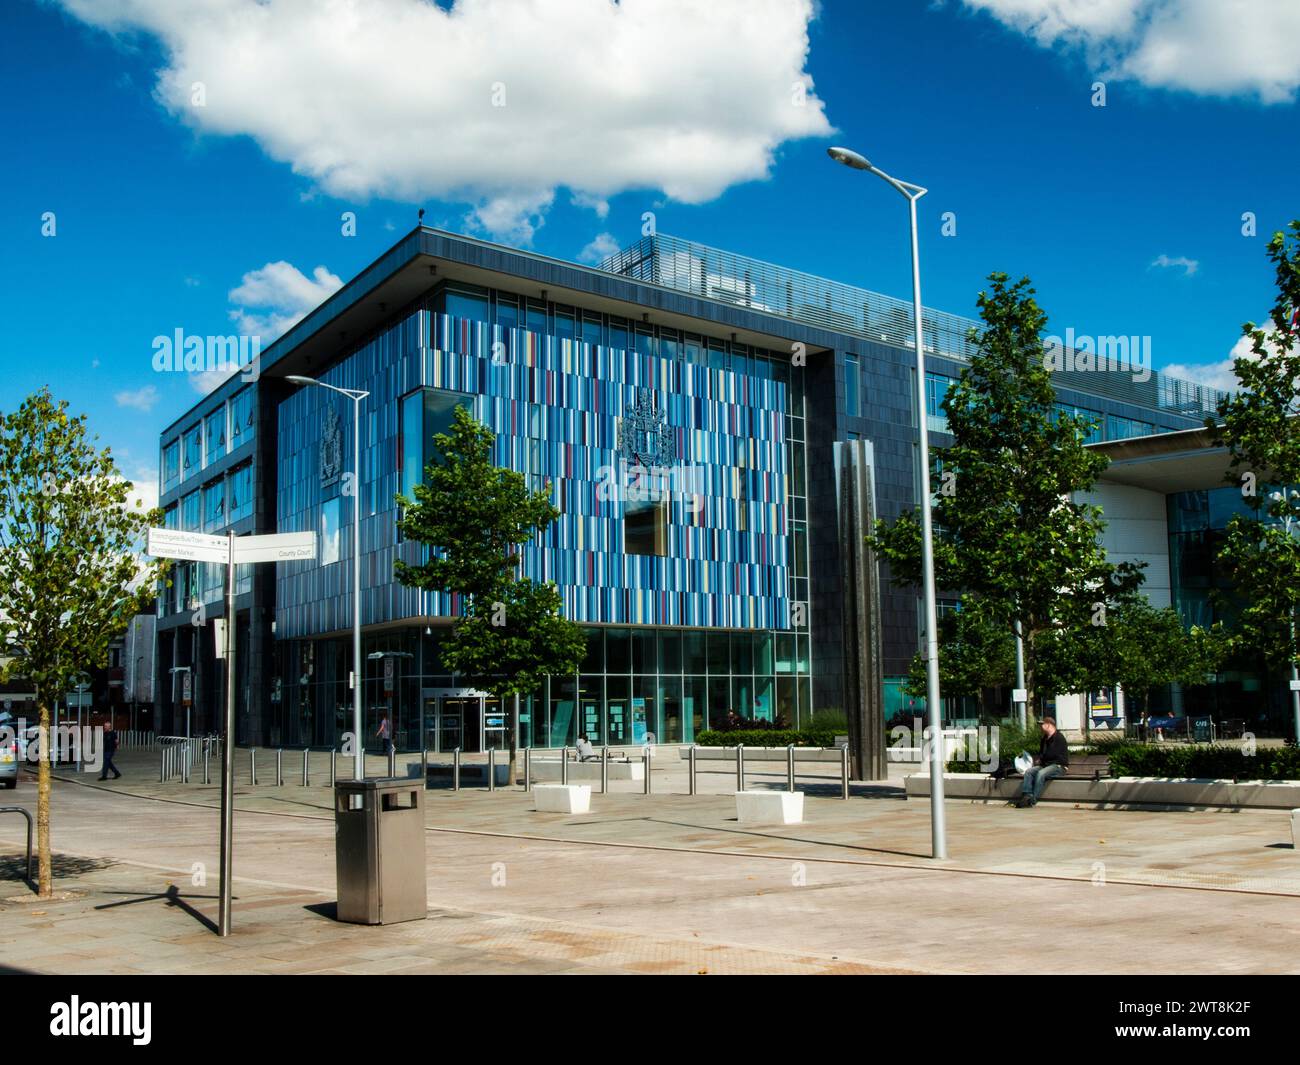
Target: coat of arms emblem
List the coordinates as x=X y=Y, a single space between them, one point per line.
x=644 y=435
x=331 y=449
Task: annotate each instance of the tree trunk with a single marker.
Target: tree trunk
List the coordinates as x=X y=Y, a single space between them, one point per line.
x=45 y=875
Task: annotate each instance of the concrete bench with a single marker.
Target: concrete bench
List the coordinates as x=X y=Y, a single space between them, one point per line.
x=769 y=807
x=1295 y=829
x=1120 y=791
x=563 y=798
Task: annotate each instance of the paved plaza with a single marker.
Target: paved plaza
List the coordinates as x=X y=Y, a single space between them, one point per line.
x=664 y=883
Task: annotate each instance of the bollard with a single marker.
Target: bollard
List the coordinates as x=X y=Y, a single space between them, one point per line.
x=690 y=770
x=185 y=763
x=604 y=769
x=455 y=769
x=333 y=765
x=789 y=767
x=424 y=765
x=252 y=765
x=844 y=772
x=740 y=767
x=528 y=769
x=279 y=767
x=207 y=755
x=392 y=759
x=645 y=761
x=162 y=767
x=492 y=769
x=564 y=765
x=306 y=771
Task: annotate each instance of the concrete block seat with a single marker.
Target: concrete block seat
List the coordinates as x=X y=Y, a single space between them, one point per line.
x=769 y=807
x=543 y=768
x=562 y=798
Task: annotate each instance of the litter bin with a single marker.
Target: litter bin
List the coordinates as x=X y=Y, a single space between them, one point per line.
x=379 y=850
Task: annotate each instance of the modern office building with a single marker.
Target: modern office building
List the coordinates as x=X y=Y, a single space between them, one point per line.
x=783 y=401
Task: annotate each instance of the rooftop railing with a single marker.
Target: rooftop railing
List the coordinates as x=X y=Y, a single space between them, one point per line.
x=686 y=266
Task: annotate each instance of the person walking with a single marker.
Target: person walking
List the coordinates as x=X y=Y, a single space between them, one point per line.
x=110 y=749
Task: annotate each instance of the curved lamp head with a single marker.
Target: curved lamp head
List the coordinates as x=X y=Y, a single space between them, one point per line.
x=849 y=158
x=297 y=380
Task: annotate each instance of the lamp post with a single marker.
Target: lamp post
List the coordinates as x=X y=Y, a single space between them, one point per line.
x=1277 y=497
x=912 y=193
x=358 y=674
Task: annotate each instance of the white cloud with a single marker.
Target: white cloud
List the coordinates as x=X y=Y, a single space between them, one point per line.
x=1220 y=374
x=1188 y=266
x=396 y=98
x=600 y=247
x=275 y=297
x=1209 y=47
x=142 y=399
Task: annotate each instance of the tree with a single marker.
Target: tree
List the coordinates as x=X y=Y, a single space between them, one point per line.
x=1260 y=555
x=974 y=653
x=473 y=516
x=1140 y=647
x=1010 y=539
x=70 y=579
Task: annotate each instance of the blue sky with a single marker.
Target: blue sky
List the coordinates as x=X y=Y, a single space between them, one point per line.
x=229 y=217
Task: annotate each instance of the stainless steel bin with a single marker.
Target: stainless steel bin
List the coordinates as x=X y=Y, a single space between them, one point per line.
x=379 y=850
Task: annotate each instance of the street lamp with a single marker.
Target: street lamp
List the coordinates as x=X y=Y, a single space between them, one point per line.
x=1277 y=497
x=912 y=193
x=356 y=395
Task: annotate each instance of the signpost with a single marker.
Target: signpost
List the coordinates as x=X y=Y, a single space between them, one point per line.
x=232 y=551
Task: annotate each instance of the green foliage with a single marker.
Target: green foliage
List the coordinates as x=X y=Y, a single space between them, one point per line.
x=974 y=653
x=1260 y=557
x=1012 y=740
x=767 y=737
x=1137 y=646
x=70 y=576
x=829 y=719
x=1215 y=762
x=474 y=515
x=1010 y=540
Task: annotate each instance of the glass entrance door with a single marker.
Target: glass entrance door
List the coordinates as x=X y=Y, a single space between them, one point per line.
x=459 y=724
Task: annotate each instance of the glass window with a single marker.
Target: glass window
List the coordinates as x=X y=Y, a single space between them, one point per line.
x=170 y=516
x=425 y=414
x=214 y=505
x=536 y=319
x=644 y=341
x=670 y=710
x=215 y=434
x=645 y=654
x=694 y=704
x=592 y=330
x=669 y=345
x=507 y=311
x=696 y=657
x=171 y=464
x=564 y=327
x=191 y=513
x=645 y=528
x=617 y=709
x=241 y=493
x=331 y=512
x=591 y=705
x=618 y=333
x=563 y=702
x=192 y=451
x=719 y=653
x=852 y=376
x=466 y=303
x=243 y=413
x=618 y=654
x=936 y=389
x=670 y=651
x=594 y=660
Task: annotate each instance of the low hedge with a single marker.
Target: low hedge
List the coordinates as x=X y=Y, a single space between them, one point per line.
x=767 y=738
x=1220 y=763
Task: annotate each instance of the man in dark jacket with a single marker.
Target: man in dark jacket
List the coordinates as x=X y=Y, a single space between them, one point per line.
x=110 y=749
x=1053 y=757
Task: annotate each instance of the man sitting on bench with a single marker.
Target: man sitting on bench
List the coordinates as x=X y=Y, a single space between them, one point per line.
x=585 y=751
x=1053 y=757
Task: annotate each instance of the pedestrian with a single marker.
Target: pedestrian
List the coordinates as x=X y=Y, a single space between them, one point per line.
x=110 y=749
x=385 y=734
x=1053 y=756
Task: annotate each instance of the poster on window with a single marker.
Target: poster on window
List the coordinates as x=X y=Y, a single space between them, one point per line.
x=638 y=720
